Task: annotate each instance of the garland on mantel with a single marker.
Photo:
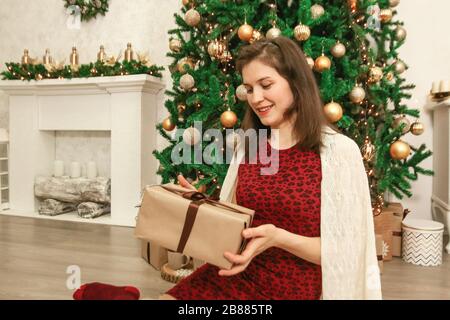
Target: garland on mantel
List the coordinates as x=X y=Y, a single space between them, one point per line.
x=19 y=71
x=89 y=9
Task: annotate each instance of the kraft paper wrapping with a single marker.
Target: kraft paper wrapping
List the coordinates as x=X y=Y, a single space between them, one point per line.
x=398 y=216
x=154 y=254
x=383 y=226
x=216 y=229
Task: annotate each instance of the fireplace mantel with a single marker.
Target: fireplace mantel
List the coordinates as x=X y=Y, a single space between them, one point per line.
x=126 y=106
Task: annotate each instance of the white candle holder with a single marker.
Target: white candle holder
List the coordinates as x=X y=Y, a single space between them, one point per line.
x=75 y=169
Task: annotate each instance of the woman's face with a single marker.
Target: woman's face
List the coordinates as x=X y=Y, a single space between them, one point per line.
x=268 y=93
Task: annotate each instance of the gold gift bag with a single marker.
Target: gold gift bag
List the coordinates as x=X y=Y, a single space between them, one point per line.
x=189 y=222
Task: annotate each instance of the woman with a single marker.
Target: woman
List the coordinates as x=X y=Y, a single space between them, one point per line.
x=312 y=235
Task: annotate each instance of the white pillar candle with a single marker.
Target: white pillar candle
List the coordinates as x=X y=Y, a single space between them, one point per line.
x=444 y=86
x=91 y=170
x=58 y=168
x=75 y=170
x=435 y=87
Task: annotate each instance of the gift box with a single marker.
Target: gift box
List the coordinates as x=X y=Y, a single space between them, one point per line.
x=379 y=245
x=154 y=254
x=383 y=226
x=398 y=214
x=189 y=222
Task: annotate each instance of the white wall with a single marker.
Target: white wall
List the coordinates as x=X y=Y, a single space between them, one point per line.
x=145 y=23
x=427 y=52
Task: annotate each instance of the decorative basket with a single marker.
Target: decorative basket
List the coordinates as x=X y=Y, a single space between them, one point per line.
x=422 y=242
x=175 y=276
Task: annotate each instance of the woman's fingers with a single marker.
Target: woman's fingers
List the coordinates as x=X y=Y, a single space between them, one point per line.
x=184 y=183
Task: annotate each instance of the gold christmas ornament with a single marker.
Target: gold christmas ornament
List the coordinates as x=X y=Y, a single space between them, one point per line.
x=399 y=150
x=47 y=59
x=187 y=82
x=241 y=93
x=228 y=119
x=302 y=32
x=191 y=136
x=375 y=74
x=399 y=67
x=225 y=57
x=184 y=63
x=385 y=15
x=322 y=63
x=338 y=50
x=245 y=32
x=186 y=2
x=310 y=62
x=192 y=17
x=273 y=33
x=368 y=150
x=333 y=111
x=168 y=125
x=101 y=55
x=256 y=35
x=129 y=54
x=400 y=33
x=25 y=58
x=393 y=3
x=175 y=45
x=74 y=57
x=317 y=11
x=402 y=120
x=417 y=128
x=216 y=48
x=357 y=94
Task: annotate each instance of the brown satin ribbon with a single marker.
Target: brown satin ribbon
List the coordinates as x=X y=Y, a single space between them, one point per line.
x=197 y=199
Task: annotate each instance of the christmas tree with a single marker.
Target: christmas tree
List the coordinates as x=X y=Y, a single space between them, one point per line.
x=352 y=46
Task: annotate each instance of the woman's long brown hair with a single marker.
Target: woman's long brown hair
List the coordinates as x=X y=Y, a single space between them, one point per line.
x=285 y=56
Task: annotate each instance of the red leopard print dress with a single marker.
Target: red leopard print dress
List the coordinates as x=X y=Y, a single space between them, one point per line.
x=289 y=199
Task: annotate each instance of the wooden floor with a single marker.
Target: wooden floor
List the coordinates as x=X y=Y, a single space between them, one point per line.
x=35 y=255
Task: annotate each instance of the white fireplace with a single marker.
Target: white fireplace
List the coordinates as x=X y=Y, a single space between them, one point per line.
x=125 y=107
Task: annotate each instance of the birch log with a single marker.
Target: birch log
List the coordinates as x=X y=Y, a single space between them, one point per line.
x=73 y=190
x=52 y=207
x=91 y=210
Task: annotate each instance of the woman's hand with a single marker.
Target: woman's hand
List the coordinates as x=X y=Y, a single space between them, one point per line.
x=184 y=183
x=262 y=238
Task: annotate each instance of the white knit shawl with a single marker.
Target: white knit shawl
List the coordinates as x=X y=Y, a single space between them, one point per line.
x=348 y=254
